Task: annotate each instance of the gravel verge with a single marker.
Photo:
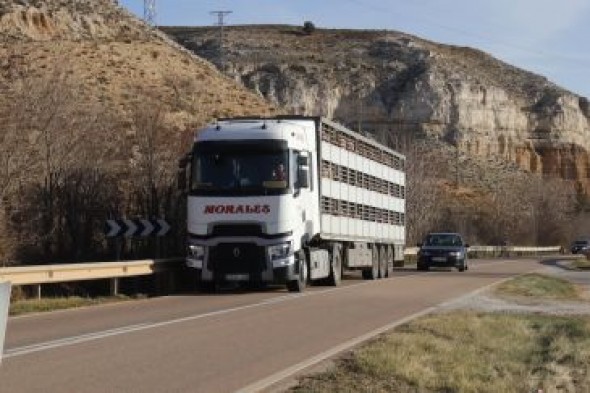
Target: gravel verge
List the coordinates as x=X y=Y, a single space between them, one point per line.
x=487 y=301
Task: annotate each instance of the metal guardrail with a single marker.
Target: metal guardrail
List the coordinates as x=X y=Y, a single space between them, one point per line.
x=47 y=274
x=499 y=249
x=113 y=271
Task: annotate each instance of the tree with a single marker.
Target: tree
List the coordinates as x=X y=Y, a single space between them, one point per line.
x=423 y=192
x=308 y=27
x=155 y=148
x=51 y=129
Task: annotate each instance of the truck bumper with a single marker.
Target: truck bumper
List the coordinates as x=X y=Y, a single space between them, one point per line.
x=281 y=272
x=284 y=274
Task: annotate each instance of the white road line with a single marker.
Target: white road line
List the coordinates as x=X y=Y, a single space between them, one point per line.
x=20 y=351
x=68 y=341
x=290 y=371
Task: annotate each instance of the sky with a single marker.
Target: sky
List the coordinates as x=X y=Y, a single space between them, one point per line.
x=548 y=37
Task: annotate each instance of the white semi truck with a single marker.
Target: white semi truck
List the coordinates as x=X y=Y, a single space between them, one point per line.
x=291 y=200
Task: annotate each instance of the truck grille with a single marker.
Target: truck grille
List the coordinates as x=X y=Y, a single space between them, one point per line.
x=237 y=230
x=229 y=258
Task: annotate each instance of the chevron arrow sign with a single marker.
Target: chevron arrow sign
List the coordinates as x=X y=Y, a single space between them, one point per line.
x=139 y=227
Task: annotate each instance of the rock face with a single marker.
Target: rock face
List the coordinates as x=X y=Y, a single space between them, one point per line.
x=392 y=83
x=67 y=19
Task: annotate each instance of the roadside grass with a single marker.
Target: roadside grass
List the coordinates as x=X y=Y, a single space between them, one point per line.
x=539 y=286
x=467 y=352
x=20 y=307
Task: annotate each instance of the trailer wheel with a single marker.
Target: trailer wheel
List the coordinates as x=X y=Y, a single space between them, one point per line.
x=301 y=282
x=335 y=266
x=372 y=273
x=382 y=262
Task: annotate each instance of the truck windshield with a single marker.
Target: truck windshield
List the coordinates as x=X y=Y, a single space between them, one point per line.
x=239 y=169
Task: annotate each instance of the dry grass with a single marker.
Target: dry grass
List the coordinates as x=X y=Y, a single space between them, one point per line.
x=581 y=263
x=21 y=307
x=467 y=352
x=539 y=286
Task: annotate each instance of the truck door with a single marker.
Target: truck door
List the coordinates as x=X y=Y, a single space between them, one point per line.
x=302 y=188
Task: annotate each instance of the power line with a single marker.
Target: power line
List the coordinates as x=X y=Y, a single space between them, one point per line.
x=221 y=23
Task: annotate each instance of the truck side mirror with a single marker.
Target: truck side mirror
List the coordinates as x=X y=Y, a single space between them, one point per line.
x=419 y=244
x=302 y=160
x=181 y=174
x=181 y=179
x=303 y=170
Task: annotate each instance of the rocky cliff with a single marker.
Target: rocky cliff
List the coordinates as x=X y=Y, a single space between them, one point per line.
x=391 y=83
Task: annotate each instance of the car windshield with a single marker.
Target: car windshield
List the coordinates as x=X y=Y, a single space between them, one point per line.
x=581 y=242
x=444 y=239
x=232 y=169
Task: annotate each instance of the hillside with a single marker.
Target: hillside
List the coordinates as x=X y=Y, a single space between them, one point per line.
x=396 y=83
x=118 y=60
x=96 y=108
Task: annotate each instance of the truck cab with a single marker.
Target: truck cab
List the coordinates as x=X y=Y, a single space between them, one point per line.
x=251 y=202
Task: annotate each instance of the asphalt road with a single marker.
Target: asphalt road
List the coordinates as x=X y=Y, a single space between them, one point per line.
x=233 y=341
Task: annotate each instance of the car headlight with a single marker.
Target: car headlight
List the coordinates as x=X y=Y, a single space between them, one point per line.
x=279 y=251
x=456 y=254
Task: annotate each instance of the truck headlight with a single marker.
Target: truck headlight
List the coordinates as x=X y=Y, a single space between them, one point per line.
x=279 y=251
x=456 y=254
x=195 y=256
x=196 y=251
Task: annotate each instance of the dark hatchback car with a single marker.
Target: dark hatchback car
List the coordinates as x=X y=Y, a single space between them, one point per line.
x=579 y=246
x=443 y=250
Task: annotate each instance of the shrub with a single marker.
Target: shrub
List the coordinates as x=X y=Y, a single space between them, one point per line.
x=308 y=27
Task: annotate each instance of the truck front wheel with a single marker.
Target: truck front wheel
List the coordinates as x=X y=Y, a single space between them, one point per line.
x=335 y=266
x=300 y=283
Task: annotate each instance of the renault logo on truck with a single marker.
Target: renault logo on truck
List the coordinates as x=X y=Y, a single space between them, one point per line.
x=236 y=252
x=236 y=209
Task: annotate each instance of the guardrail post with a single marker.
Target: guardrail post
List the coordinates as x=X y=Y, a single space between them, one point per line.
x=114 y=286
x=4 y=307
